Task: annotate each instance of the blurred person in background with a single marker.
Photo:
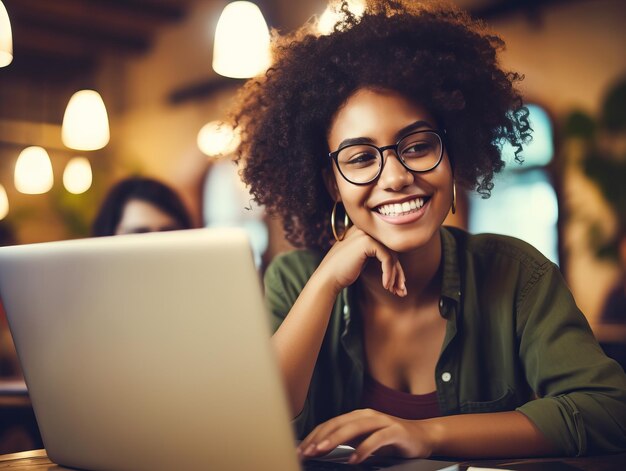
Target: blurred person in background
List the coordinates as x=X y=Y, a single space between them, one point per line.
x=140 y=204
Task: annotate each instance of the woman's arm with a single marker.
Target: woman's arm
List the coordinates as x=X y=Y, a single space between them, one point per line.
x=501 y=434
x=493 y=435
x=299 y=337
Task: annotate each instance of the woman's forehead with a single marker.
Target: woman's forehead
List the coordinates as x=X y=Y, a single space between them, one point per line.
x=375 y=114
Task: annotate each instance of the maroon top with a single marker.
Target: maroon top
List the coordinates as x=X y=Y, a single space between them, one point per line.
x=397 y=403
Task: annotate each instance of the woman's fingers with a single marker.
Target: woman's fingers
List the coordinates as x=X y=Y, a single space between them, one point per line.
x=377 y=440
x=399 y=288
x=322 y=430
x=353 y=252
x=392 y=273
x=334 y=433
x=354 y=430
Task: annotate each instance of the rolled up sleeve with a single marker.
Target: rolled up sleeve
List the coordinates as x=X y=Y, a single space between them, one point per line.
x=581 y=405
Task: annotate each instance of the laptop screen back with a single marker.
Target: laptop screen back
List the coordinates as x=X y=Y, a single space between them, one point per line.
x=148 y=352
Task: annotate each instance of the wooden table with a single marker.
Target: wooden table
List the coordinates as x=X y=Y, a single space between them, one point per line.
x=37 y=460
x=28 y=460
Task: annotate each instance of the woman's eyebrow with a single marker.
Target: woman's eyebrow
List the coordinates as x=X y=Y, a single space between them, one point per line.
x=399 y=135
x=355 y=140
x=417 y=125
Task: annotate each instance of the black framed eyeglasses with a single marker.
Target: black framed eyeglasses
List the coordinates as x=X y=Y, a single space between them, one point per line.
x=419 y=152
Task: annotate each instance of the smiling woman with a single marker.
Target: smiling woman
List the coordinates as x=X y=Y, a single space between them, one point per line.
x=380 y=194
x=401 y=335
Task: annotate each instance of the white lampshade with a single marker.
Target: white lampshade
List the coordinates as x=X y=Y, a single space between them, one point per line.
x=217 y=138
x=77 y=176
x=33 y=171
x=332 y=14
x=242 y=41
x=85 y=123
x=4 y=203
x=6 y=38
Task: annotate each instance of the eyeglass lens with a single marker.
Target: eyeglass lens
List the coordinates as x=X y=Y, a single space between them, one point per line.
x=362 y=163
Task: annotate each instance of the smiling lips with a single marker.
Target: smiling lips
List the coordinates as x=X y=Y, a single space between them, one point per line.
x=401 y=209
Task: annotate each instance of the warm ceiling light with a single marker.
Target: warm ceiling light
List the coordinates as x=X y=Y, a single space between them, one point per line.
x=77 y=176
x=4 y=203
x=333 y=14
x=6 y=38
x=217 y=138
x=33 y=171
x=241 y=48
x=85 y=123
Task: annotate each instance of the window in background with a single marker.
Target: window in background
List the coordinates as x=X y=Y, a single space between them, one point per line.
x=523 y=203
x=227 y=203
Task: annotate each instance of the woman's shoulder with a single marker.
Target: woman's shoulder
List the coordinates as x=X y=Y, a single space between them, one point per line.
x=295 y=266
x=300 y=258
x=496 y=247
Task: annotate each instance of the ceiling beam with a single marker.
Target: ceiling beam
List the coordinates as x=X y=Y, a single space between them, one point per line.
x=141 y=15
x=75 y=38
x=506 y=8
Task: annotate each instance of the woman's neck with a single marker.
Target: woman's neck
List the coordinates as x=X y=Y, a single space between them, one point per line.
x=422 y=269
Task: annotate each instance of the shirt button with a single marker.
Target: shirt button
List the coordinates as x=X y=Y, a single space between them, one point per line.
x=346 y=309
x=446 y=377
x=441 y=303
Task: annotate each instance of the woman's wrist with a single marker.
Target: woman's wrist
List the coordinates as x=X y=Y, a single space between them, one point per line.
x=327 y=285
x=432 y=433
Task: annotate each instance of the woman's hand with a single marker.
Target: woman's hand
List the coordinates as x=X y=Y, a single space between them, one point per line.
x=370 y=431
x=345 y=260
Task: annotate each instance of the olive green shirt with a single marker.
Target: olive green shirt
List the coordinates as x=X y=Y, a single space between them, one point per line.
x=514 y=340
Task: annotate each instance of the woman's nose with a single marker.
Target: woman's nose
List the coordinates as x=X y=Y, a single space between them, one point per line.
x=394 y=175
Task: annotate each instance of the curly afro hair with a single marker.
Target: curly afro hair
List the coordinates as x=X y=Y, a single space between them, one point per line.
x=434 y=55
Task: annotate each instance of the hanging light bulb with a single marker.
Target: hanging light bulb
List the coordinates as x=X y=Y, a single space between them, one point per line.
x=6 y=38
x=4 y=203
x=242 y=41
x=33 y=171
x=333 y=14
x=77 y=176
x=85 y=123
x=217 y=138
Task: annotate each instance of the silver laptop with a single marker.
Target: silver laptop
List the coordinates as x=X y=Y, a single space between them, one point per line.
x=149 y=352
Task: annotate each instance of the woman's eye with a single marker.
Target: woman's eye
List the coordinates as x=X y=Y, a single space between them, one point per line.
x=419 y=148
x=361 y=159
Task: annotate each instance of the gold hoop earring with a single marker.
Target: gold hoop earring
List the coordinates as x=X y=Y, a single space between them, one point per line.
x=453 y=197
x=346 y=223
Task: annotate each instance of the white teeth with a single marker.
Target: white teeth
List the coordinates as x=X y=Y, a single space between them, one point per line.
x=398 y=209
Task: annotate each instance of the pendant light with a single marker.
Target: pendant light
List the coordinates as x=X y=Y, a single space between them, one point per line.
x=6 y=38
x=242 y=41
x=33 y=171
x=217 y=138
x=85 y=123
x=4 y=203
x=77 y=176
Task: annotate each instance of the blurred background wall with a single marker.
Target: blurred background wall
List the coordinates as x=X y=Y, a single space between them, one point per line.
x=151 y=62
